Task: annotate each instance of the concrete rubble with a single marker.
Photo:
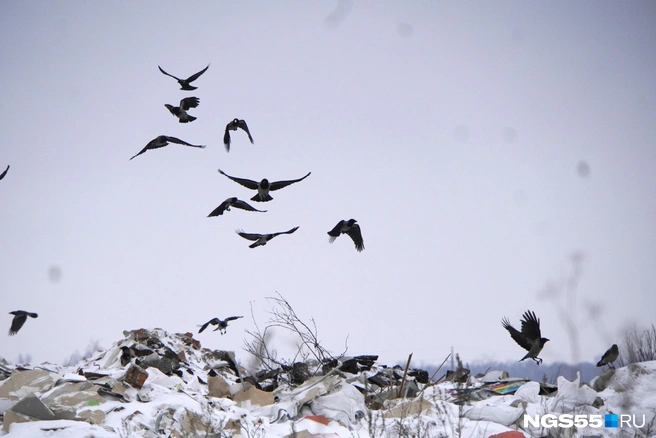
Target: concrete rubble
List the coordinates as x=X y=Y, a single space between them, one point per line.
x=152 y=383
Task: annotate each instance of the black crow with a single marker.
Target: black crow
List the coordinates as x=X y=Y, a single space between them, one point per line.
x=162 y=141
x=609 y=357
x=348 y=227
x=262 y=239
x=232 y=202
x=221 y=324
x=181 y=111
x=20 y=316
x=263 y=187
x=185 y=84
x=233 y=126
x=126 y=355
x=529 y=338
x=2 y=175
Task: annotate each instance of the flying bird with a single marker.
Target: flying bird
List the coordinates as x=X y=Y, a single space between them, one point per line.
x=181 y=111
x=221 y=324
x=609 y=357
x=232 y=202
x=2 y=175
x=233 y=126
x=162 y=141
x=185 y=84
x=348 y=227
x=262 y=239
x=530 y=337
x=20 y=316
x=263 y=187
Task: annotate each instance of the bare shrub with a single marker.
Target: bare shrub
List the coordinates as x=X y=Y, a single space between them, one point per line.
x=639 y=345
x=283 y=316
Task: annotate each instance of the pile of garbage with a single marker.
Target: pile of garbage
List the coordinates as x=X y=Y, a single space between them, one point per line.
x=155 y=384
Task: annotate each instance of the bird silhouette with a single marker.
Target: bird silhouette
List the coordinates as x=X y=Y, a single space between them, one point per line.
x=530 y=337
x=348 y=227
x=263 y=187
x=609 y=357
x=2 y=175
x=181 y=111
x=20 y=316
x=163 y=140
x=222 y=324
x=185 y=84
x=262 y=239
x=232 y=202
x=233 y=126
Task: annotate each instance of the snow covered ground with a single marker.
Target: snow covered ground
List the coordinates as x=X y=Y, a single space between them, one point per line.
x=157 y=384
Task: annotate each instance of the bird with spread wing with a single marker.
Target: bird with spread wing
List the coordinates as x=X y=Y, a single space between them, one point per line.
x=530 y=337
x=263 y=187
x=222 y=324
x=185 y=84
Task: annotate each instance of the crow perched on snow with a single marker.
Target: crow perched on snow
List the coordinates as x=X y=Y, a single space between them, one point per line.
x=233 y=202
x=181 y=111
x=126 y=355
x=529 y=338
x=221 y=324
x=163 y=140
x=185 y=83
x=348 y=227
x=609 y=357
x=263 y=187
x=20 y=316
x=2 y=175
x=233 y=126
x=262 y=239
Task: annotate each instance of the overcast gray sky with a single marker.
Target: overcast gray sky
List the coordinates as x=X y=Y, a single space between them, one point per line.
x=453 y=132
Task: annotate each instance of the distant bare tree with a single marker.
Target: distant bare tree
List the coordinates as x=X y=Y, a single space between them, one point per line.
x=568 y=306
x=24 y=358
x=76 y=357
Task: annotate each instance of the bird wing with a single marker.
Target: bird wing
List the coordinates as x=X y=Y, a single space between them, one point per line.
x=531 y=326
x=189 y=102
x=167 y=74
x=242 y=124
x=249 y=184
x=516 y=335
x=16 y=324
x=218 y=211
x=204 y=326
x=284 y=232
x=226 y=139
x=604 y=359
x=141 y=152
x=356 y=235
x=277 y=185
x=197 y=75
x=232 y=318
x=249 y=236
x=2 y=175
x=336 y=231
x=245 y=206
x=607 y=356
x=178 y=141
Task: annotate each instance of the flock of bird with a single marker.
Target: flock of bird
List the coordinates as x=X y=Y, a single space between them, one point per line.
x=529 y=337
x=263 y=189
